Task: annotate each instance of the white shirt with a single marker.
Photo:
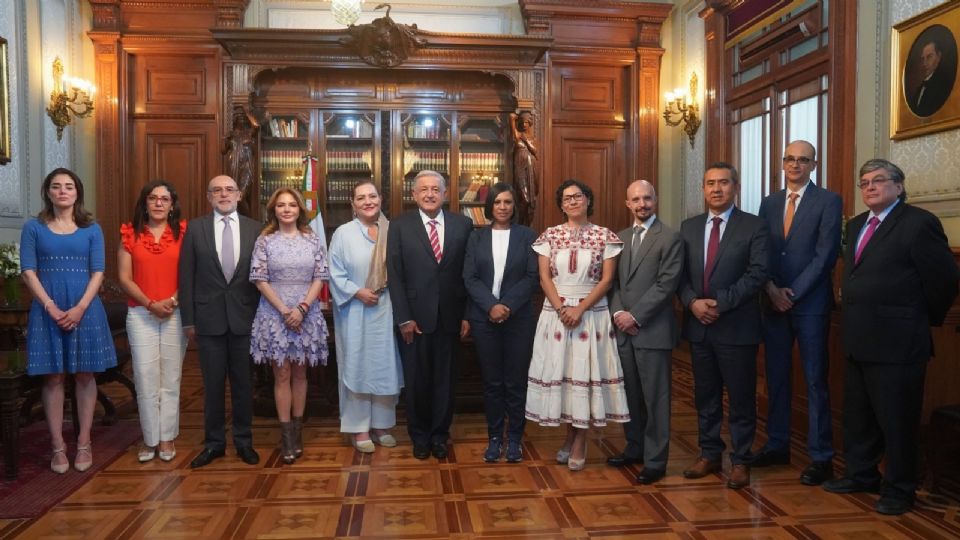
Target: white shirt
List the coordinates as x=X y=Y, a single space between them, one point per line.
x=725 y=216
x=646 y=228
x=881 y=216
x=500 y=241
x=234 y=228
x=426 y=225
x=796 y=203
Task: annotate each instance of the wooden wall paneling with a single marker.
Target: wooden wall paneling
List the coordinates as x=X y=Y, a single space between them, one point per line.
x=644 y=162
x=596 y=157
x=181 y=84
x=109 y=180
x=714 y=109
x=841 y=101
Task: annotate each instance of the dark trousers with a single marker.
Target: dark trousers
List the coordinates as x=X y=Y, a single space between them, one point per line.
x=429 y=374
x=716 y=365
x=504 y=351
x=646 y=381
x=881 y=419
x=220 y=356
x=810 y=331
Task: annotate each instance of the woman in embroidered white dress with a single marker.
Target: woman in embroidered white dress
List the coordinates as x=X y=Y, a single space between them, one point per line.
x=575 y=376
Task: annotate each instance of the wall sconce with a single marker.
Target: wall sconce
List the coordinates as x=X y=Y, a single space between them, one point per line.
x=71 y=98
x=686 y=113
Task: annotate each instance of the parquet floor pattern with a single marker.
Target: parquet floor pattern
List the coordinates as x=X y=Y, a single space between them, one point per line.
x=335 y=492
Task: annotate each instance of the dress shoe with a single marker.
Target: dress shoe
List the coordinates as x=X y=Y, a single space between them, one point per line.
x=205 y=457
x=84 y=459
x=146 y=453
x=421 y=451
x=439 y=450
x=739 y=476
x=767 y=457
x=168 y=455
x=494 y=448
x=514 y=452
x=650 y=476
x=893 y=506
x=59 y=468
x=365 y=446
x=248 y=455
x=817 y=473
x=563 y=455
x=849 y=485
x=622 y=460
x=386 y=440
x=701 y=468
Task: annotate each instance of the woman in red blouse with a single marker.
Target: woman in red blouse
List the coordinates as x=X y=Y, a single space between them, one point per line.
x=147 y=260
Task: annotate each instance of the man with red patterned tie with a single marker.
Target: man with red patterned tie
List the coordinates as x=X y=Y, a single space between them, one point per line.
x=726 y=267
x=899 y=279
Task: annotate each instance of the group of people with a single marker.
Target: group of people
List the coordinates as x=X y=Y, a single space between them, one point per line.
x=404 y=292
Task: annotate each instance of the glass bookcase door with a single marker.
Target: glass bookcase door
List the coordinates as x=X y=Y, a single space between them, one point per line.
x=480 y=162
x=350 y=157
x=425 y=145
x=285 y=149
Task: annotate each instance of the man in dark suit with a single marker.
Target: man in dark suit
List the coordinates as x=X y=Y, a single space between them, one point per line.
x=641 y=300
x=724 y=271
x=899 y=279
x=217 y=305
x=425 y=251
x=804 y=222
x=934 y=89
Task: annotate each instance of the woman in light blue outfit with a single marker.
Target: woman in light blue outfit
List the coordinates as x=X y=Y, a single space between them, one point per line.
x=368 y=360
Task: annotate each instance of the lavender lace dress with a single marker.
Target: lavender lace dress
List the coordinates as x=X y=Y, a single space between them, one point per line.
x=289 y=265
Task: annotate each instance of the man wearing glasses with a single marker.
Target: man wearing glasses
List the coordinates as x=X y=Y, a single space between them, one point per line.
x=804 y=221
x=217 y=305
x=899 y=279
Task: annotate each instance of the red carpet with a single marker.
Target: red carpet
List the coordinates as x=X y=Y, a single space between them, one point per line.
x=37 y=488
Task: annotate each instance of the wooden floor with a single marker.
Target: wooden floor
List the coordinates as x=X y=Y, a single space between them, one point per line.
x=335 y=492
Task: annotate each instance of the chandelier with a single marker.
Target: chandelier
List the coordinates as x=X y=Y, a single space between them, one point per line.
x=346 y=12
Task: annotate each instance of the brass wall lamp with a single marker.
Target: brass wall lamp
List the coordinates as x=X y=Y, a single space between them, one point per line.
x=683 y=110
x=71 y=98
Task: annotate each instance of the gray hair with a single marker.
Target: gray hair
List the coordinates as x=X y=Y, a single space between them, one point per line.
x=896 y=174
x=428 y=172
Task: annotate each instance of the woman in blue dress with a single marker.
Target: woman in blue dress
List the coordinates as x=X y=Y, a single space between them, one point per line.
x=62 y=262
x=288 y=266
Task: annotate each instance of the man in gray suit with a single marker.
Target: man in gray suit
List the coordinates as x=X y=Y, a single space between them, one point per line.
x=648 y=275
x=217 y=305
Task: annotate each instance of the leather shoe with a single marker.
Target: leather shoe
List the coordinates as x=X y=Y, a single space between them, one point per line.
x=248 y=455
x=701 y=468
x=767 y=457
x=439 y=450
x=650 y=476
x=739 y=476
x=421 y=451
x=893 y=506
x=493 y=451
x=849 y=485
x=205 y=457
x=817 y=473
x=622 y=460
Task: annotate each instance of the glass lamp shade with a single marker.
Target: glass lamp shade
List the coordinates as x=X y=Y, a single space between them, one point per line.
x=345 y=11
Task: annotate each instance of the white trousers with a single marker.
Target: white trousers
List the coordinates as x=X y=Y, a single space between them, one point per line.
x=359 y=413
x=157 y=347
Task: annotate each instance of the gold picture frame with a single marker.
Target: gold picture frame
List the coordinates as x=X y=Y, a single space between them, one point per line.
x=4 y=104
x=925 y=85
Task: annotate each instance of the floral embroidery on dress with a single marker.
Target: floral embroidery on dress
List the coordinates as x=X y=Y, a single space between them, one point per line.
x=589 y=237
x=146 y=239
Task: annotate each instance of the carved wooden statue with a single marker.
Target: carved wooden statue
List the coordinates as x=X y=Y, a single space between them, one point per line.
x=240 y=147
x=525 y=167
x=383 y=42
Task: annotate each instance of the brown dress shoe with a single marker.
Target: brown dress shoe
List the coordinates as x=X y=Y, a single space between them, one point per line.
x=701 y=468
x=739 y=476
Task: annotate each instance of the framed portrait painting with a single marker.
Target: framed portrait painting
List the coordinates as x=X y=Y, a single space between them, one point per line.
x=4 y=104
x=925 y=93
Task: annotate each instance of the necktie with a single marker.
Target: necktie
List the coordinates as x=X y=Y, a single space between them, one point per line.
x=871 y=227
x=635 y=243
x=788 y=217
x=435 y=240
x=226 y=251
x=713 y=245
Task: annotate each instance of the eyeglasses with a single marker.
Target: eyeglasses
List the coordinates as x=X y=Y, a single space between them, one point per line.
x=864 y=184
x=567 y=199
x=229 y=190
x=802 y=160
x=162 y=199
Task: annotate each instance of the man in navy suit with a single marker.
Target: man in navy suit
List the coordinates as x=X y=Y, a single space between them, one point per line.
x=425 y=251
x=217 y=305
x=804 y=222
x=725 y=268
x=899 y=279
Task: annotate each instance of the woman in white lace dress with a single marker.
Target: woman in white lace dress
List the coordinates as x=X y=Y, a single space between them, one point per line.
x=575 y=376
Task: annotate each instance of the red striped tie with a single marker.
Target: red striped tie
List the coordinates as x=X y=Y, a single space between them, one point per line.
x=435 y=240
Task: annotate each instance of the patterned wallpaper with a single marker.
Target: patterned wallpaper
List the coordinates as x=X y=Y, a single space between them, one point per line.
x=929 y=161
x=693 y=59
x=12 y=196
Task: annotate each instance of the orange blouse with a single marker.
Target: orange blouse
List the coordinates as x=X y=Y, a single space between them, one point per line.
x=154 y=263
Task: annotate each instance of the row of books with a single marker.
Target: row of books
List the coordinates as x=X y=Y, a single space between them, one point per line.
x=481 y=161
x=349 y=161
x=277 y=160
x=423 y=131
x=476 y=214
x=434 y=161
x=340 y=191
x=476 y=191
x=284 y=128
x=269 y=185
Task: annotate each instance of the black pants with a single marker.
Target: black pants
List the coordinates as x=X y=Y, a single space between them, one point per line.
x=220 y=356
x=503 y=352
x=429 y=374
